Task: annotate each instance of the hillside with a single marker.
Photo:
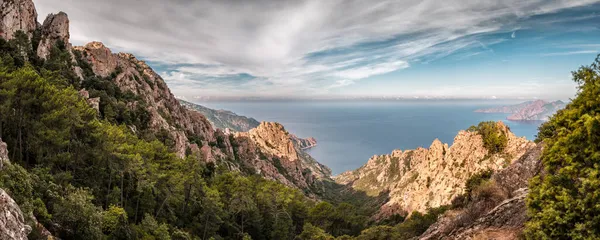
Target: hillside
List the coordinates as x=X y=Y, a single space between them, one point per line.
x=538 y=110
x=224 y=119
x=422 y=178
x=94 y=145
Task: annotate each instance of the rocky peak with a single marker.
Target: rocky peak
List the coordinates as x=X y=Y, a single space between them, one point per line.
x=17 y=15
x=54 y=29
x=423 y=178
x=101 y=59
x=502 y=221
x=274 y=139
x=270 y=151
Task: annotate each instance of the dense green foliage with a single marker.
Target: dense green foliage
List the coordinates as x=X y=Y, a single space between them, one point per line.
x=86 y=174
x=563 y=202
x=494 y=140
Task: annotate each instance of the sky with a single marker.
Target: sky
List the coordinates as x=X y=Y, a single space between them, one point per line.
x=506 y=49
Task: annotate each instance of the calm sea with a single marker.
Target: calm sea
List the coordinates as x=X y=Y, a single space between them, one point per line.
x=350 y=132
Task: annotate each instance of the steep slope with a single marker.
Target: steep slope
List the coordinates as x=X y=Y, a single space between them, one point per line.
x=230 y=122
x=269 y=149
x=224 y=119
x=159 y=113
x=12 y=221
x=538 y=110
x=136 y=77
x=423 y=178
x=504 y=220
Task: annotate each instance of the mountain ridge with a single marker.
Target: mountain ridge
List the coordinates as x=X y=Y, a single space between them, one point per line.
x=538 y=110
x=425 y=178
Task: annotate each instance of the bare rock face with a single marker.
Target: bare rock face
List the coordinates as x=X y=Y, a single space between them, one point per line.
x=3 y=154
x=269 y=150
x=275 y=140
x=135 y=76
x=423 y=178
x=54 y=29
x=17 y=15
x=102 y=60
x=502 y=221
x=12 y=223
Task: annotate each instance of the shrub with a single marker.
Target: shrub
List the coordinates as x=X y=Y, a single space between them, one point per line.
x=563 y=203
x=494 y=139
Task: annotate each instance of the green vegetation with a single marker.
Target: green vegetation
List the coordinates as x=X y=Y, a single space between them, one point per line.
x=87 y=174
x=494 y=139
x=563 y=202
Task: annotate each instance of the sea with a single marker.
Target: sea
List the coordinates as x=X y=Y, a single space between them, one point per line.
x=349 y=132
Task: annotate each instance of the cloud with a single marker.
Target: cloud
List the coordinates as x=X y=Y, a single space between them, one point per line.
x=570 y=53
x=309 y=45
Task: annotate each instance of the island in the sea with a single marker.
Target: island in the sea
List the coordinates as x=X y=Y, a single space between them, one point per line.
x=538 y=110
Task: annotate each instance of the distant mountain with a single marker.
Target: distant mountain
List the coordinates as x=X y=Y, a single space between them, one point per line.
x=538 y=110
x=223 y=119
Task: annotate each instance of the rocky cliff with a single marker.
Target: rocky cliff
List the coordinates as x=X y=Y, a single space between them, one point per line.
x=135 y=76
x=229 y=121
x=422 y=178
x=538 y=110
x=504 y=220
x=17 y=15
x=189 y=131
x=270 y=150
x=12 y=222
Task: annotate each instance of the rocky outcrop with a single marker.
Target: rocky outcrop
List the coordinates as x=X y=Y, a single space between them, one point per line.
x=502 y=221
x=135 y=76
x=12 y=222
x=538 y=110
x=93 y=102
x=304 y=143
x=54 y=29
x=423 y=178
x=3 y=154
x=269 y=149
x=17 y=15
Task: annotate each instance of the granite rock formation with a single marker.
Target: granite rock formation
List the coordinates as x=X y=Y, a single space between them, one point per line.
x=17 y=15
x=270 y=150
x=12 y=221
x=502 y=221
x=424 y=178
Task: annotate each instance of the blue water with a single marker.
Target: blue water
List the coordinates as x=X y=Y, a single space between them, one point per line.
x=350 y=132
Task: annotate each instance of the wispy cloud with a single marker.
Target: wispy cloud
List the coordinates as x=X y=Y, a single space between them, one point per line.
x=289 y=46
x=571 y=53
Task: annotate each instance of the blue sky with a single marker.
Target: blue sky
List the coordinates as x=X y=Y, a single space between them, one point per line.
x=349 y=48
